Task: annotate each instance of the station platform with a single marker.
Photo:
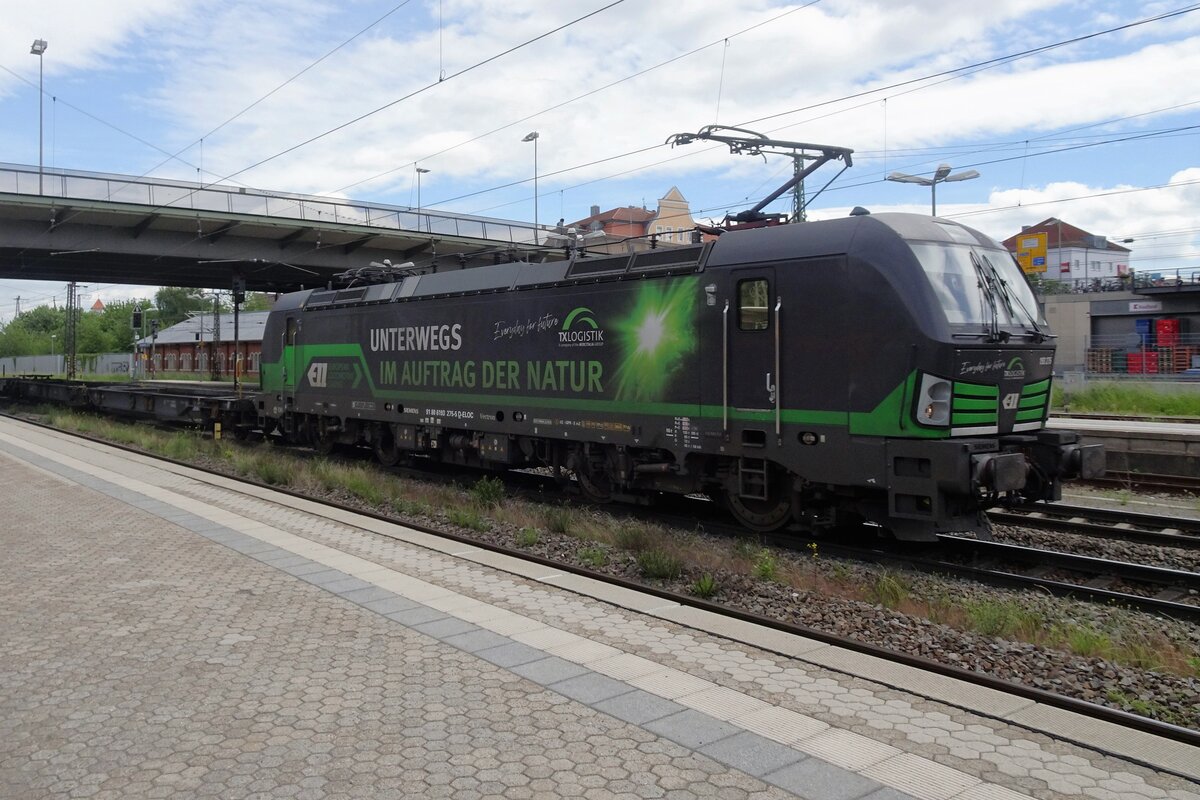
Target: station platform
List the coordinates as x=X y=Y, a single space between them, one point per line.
x=168 y=633
x=1149 y=448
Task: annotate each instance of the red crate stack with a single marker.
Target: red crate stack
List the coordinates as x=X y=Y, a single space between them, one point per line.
x=1167 y=332
x=1142 y=362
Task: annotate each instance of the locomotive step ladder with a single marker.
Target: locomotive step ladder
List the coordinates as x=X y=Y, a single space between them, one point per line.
x=752 y=478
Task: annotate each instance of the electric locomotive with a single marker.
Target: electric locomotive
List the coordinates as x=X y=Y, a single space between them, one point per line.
x=887 y=369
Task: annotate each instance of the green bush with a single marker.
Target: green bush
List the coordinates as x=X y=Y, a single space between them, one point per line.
x=488 y=492
x=1089 y=642
x=527 y=537
x=593 y=557
x=766 y=565
x=705 y=586
x=633 y=538
x=467 y=518
x=889 y=589
x=271 y=472
x=659 y=564
x=181 y=446
x=559 y=520
x=1004 y=618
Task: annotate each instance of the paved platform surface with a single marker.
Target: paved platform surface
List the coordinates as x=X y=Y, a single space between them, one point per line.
x=169 y=634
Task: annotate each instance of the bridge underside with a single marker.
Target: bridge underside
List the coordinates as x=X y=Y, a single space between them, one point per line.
x=57 y=239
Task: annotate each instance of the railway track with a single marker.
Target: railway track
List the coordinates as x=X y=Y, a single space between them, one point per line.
x=1154 y=590
x=1172 y=484
x=1050 y=698
x=1171 y=592
x=1164 y=418
x=1105 y=523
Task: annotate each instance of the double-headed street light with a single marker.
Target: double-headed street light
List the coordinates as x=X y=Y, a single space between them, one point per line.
x=532 y=136
x=942 y=175
x=39 y=47
x=420 y=171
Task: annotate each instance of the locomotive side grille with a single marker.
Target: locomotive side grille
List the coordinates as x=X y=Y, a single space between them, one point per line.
x=1034 y=399
x=974 y=405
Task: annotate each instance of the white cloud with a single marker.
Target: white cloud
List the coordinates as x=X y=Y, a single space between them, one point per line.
x=171 y=70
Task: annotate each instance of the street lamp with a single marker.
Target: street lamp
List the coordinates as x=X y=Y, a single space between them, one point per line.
x=53 y=336
x=39 y=47
x=420 y=171
x=941 y=176
x=532 y=136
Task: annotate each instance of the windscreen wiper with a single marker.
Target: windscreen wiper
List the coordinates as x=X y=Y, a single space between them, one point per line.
x=989 y=290
x=1037 y=333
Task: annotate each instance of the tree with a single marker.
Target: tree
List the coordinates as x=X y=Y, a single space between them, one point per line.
x=29 y=334
x=174 y=303
x=258 y=301
x=116 y=322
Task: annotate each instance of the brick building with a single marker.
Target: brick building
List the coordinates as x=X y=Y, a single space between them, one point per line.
x=191 y=346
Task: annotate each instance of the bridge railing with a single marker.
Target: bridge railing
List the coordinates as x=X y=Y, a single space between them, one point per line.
x=159 y=193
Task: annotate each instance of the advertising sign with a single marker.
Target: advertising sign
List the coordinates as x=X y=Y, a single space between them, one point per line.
x=1031 y=252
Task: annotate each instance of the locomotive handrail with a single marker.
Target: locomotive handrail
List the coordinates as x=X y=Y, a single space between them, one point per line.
x=778 y=374
x=725 y=368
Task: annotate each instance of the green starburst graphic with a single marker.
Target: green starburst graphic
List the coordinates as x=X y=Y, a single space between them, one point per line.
x=654 y=338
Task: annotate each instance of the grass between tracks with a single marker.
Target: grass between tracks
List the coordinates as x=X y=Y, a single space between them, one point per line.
x=1129 y=398
x=600 y=541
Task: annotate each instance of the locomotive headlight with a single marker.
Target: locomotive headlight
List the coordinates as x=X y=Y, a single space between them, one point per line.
x=933 y=403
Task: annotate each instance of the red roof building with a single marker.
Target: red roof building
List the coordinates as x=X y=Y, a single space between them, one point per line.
x=1072 y=254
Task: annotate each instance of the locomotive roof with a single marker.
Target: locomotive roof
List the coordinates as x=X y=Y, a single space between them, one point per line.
x=503 y=277
x=842 y=235
x=758 y=245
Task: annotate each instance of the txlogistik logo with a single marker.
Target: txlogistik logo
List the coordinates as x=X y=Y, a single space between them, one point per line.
x=580 y=329
x=1015 y=368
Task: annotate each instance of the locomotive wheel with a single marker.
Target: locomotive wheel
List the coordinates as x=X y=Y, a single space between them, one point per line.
x=323 y=441
x=763 y=515
x=592 y=476
x=386 y=451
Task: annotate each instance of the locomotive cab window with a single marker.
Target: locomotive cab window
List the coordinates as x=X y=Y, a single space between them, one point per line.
x=752 y=304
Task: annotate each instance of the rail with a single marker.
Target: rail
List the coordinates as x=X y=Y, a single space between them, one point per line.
x=65 y=184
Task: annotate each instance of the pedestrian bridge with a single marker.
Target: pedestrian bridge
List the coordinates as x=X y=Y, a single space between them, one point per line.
x=68 y=225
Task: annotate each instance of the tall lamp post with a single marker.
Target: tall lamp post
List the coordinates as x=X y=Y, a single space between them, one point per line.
x=420 y=171
x=53 y=363
x=942 y=175
x=532 y=136
x=39 y=47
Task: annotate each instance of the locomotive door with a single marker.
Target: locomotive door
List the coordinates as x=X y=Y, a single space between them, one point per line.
x=752 y=340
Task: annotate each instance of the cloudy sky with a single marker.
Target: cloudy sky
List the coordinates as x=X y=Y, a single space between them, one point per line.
x=1088 y=111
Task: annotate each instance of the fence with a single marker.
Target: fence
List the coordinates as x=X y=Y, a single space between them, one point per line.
x=76 y=184
x=1144 y=355
x=99 y=364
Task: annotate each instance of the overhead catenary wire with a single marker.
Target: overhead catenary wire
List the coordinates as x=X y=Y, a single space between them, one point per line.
x=949 y=74
x=392 y=103
x=647 y=149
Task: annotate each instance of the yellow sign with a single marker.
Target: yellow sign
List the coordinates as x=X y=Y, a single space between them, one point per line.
x=1031 y=252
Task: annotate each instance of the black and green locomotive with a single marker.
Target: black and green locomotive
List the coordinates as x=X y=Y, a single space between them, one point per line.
x=887 y=369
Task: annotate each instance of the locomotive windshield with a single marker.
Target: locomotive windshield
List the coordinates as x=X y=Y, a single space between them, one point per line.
x=978 y=285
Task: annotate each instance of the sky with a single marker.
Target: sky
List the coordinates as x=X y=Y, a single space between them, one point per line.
x=1083 y=110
